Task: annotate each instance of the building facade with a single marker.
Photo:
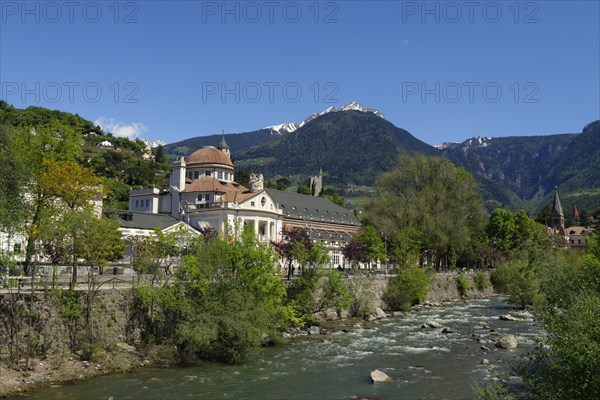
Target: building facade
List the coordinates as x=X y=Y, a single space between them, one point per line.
x=204 y=194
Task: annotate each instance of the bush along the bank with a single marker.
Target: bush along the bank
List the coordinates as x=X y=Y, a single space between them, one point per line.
x=224 y=303
x=463 y=284
x=564 y=288
x=407 y=288
x=481 y=280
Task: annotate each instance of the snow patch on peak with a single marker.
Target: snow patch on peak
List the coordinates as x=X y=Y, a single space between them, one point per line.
x=478 y=141
x=293 y=126
x=284 y=128
x=446 y=145
x=359 y=107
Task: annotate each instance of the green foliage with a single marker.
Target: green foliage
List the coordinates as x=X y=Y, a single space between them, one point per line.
x=37 y=116
x=304 y=189
x=481 y=280
x=14 y=171
x=363 y=145
x=432 y=200
x=282 y=183
x=507 y=231
x=463 y=284
x=566 y=289
x=518 y=279
x=374 y=247
x=333 y=196
x=224 y=302
x=407 y=288
x=317 y=290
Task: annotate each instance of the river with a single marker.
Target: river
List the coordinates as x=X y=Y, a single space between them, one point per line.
x=424 y=363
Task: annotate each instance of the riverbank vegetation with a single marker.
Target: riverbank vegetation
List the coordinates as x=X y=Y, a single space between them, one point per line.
x=563 y=289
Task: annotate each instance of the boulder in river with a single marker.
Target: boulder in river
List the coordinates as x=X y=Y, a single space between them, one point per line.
x=485 y=348
x=431 y=324
x=447 y=330
x=314 y=330
x=378 y=376
x=379 y=313
x=507 y=342
x=508 y=317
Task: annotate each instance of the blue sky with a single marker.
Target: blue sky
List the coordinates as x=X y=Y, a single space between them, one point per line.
x=445 y=71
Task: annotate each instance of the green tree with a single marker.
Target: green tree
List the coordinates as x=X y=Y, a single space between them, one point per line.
x=225 y=301
x=432 y=199
x=374 y=247
x=67 y=192
x=333 y=196
x=282 y=183
x=14 y=173
x=304 y=189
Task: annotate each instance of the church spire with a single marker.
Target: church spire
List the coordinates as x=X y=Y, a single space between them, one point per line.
x=558 y=217
x=223 y=144
x=575 y=213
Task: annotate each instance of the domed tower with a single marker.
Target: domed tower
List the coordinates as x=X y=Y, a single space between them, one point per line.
x=210 y=162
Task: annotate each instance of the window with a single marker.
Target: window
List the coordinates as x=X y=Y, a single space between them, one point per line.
x=335 y=258
x=263 y=201
x=207 y=197
x=196 y=174
x=251 y=204
x=147 y=202
x=206 y=173
x=17 y=247
x=220 y=175
x=137 y=203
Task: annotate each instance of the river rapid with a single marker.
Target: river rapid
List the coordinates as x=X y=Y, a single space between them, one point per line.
x=423 y=363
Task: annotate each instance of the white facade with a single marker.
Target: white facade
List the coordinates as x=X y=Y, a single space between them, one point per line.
x=204 y=194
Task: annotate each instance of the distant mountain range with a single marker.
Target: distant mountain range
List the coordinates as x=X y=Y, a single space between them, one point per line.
x=354 y=144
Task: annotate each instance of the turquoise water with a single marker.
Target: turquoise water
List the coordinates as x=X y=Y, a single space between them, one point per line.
x=424 y=363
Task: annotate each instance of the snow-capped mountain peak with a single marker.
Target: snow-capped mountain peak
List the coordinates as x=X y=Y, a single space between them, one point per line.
x=477 y=141
x=293 y=126
x=445 y=145
x=284 y=128
x=359 y=107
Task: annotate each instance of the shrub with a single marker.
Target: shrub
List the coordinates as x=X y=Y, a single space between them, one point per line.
x=463 y=284
x=363 y=297
x=316 y=291
x=481 y=279
x=518 y=279
x=408 y=287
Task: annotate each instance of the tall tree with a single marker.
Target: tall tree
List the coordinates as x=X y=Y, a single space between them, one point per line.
x=374 y=247
x=70 y=191
x=432 y=199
